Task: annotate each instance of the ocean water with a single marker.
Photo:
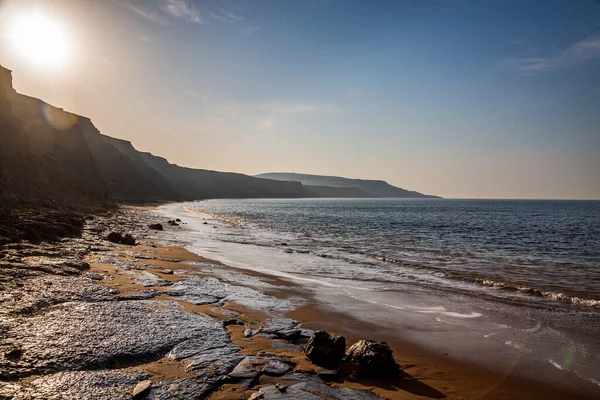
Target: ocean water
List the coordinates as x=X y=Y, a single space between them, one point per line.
x=470 y=278
x=541 y=252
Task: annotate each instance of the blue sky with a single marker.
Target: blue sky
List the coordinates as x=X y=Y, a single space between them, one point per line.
x=457 y=98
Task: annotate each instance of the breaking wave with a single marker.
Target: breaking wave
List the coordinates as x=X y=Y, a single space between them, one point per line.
x=556 y=296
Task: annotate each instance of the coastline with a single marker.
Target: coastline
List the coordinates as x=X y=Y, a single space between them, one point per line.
x=154 y=274
x=481 y=354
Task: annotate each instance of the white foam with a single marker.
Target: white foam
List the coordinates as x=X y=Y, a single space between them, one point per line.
x=554 y=363
x=442 y=310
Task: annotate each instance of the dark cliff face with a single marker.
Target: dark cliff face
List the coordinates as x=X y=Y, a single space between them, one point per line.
x=47 y=153
x=38 y=159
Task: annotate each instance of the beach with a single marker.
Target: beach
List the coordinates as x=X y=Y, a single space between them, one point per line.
x=87 y=318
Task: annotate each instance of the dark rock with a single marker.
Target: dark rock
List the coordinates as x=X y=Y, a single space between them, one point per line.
x=205 y=223
x=326 y=374
x=13 y=354
x=374 y=358
x=290 y=334
x=232 y=321
x=324 y=349
x=114 y=237
x=126 y=239
x=168 y=272
x=156 y=227
x=177 y=220
x=173 y=223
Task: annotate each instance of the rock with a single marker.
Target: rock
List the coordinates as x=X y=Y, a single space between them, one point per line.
x=156 y=227
x=374 y=358
x=168 y=271
x=257 y=395
x=286 y=346
x=114 y=237
x=177 y=220
x=275 y=368
x=312 y=389
x=232 y=321
x=205 y=223
x=173 y=223
x=245 y=370
x=326 y=374
x=281 y=387
x=290 y=334
x=128 y=240
x=355 y=376
x=13 y=354
x=248 y=332
x=142 y=387
x=324 y=349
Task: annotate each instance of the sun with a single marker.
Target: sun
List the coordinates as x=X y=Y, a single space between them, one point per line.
x=40 y=40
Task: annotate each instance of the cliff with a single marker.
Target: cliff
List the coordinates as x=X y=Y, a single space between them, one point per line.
x=37 y=159
x=336 y=186
x=50 y=154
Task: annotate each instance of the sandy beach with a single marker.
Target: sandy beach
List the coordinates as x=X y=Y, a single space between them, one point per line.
x=131 y=314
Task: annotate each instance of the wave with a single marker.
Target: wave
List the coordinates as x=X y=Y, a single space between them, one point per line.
x=556 y=296
x=221 y=218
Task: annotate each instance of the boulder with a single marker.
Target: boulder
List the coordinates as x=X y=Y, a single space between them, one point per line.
x=116 y=237
x=156 y=227
x=374 y=358
x=128 y=240
x=324 y=349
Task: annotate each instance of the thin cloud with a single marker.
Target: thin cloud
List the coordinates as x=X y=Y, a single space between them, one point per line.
x=150 y=15
x=574 y=55
x=183 y=9
x=225 y=16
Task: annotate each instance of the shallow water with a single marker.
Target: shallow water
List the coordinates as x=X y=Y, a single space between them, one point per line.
x=539 y=248
x=520 y=279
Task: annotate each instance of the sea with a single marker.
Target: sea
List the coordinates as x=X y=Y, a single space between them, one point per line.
x=495 y=269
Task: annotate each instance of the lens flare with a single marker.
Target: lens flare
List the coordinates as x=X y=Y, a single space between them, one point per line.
x=58 y=118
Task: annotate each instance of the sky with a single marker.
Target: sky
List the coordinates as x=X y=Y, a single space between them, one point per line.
x=466 y=99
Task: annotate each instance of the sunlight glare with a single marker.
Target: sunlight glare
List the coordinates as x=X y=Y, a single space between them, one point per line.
x=40 y=40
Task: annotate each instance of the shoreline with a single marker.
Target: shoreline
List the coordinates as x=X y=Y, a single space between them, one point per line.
x=512 y=368
x=151 y=277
